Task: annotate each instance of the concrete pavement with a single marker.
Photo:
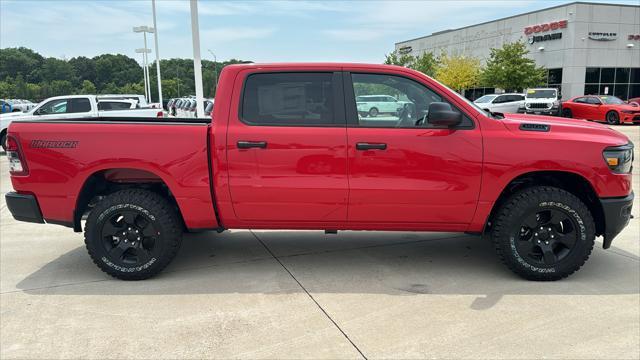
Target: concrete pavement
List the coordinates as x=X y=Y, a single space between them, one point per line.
x=305 y=294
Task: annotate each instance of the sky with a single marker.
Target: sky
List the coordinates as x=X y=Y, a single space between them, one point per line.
x=260 y=31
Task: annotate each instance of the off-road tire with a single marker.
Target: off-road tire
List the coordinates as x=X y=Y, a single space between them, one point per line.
x=530 y=201
x=148 y=204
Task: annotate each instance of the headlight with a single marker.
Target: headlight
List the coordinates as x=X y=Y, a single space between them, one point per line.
x=619 y=158
x=556 y=103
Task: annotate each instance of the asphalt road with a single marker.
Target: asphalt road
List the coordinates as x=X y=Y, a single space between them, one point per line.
x=304 y=294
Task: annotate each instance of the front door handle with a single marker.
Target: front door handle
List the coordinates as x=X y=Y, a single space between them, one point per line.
x=252 y=144
x=371 y=146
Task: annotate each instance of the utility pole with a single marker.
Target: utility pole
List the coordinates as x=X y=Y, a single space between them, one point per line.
x=144 y=30
x=215 y=73
x=197 y=63
x=155 y=35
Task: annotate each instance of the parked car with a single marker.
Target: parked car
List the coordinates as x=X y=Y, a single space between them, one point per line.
x=502 y=103
x=208 y=107
x=117 y=104
x=19 y=105
x=541 y=188
x=142 y=101
x=372 y=105
x=71 y=107
x=601 y=108
x=634 y=101
x=5 y=107
x=543 y=101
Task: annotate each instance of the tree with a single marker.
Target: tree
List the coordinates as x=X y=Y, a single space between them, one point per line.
x=458 y=72
x=508 y=68
x=395 y=58
x=426 y=63
x=88 y=88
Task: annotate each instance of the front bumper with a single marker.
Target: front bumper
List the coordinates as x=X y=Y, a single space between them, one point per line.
x=552 y=111
x=617 y=213
x=24 y=207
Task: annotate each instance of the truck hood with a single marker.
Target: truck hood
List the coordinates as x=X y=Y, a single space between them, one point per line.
x=571 y=129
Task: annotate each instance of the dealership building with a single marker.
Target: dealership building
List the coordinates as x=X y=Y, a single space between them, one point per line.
x=587 y=48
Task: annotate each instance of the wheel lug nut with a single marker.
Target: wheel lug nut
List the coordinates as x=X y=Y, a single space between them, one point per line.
x=536 y=234
x=546 y=242
x=538 y=241
x=552 y=236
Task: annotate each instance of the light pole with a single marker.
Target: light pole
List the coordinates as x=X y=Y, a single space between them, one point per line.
x=145 y=73
x=215 y=72
x=144 y=30
x=197 y=64
x=155 y=36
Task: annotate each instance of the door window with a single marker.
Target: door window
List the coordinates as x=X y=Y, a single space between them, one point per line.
x=58 y=106
x=408 y=106
x=289 y=99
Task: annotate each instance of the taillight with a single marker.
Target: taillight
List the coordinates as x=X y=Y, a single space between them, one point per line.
x=160 y=114
x=17 y=165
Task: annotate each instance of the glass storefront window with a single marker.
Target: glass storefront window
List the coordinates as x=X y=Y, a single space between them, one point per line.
x=622 y=75
x=592 y=75
x=621 y=82
x=607 y=75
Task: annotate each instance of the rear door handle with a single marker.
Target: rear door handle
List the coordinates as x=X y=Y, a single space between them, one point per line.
x=252 y=144
x=371 y=146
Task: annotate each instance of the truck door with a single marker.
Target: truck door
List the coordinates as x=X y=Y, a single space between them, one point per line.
x=404 y=173
x=286 y=148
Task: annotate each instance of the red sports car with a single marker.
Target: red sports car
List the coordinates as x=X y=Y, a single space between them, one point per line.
x=601 y=108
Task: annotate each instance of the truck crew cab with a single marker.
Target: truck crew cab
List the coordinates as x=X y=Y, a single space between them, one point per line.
x=286 y=148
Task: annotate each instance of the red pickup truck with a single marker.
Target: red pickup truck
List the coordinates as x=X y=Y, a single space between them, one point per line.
x=286 y=148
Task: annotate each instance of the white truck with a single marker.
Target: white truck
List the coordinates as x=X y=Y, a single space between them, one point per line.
x=76 y=107
x=541 y=101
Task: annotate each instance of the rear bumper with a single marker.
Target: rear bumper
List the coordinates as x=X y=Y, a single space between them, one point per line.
x=617 y=213
x=24 y=207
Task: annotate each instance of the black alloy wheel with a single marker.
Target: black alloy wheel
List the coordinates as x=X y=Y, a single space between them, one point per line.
x=130 y=238
x=546 y=237
x=613 y=118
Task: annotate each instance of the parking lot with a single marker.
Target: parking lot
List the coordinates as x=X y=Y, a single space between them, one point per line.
x=306 y=294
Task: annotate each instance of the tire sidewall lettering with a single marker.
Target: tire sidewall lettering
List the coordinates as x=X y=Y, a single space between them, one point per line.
x=127 y=206
x=546 y=204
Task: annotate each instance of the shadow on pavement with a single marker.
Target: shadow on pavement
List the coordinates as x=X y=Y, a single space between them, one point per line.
x=401 y=264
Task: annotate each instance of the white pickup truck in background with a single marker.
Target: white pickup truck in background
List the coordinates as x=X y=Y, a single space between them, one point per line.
x=77 y=107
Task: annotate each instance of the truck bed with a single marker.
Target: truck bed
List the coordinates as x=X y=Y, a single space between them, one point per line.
x=65 y=156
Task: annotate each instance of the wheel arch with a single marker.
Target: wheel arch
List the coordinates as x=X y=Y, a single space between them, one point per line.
x=571 y=182
x=107 y=181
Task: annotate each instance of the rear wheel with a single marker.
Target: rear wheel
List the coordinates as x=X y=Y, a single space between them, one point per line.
x=543 y=233
x=373 y=112
x=613 y=118
x=567 y=113
x=133 y=234
x=3 y=140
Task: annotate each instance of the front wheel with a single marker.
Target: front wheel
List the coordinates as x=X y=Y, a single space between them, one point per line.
x=373 y=112
x=543 y=233
x=133 y=234
x=613 y=118
x=567 y=113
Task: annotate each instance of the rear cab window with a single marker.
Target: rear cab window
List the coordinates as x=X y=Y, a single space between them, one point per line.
x=291 y=99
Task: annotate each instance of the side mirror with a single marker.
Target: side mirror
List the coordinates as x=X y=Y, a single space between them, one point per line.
x=442 y=114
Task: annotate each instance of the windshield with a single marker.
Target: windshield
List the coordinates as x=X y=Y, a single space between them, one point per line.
x=541 y=93
x=612 y=100
x=485 y=99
